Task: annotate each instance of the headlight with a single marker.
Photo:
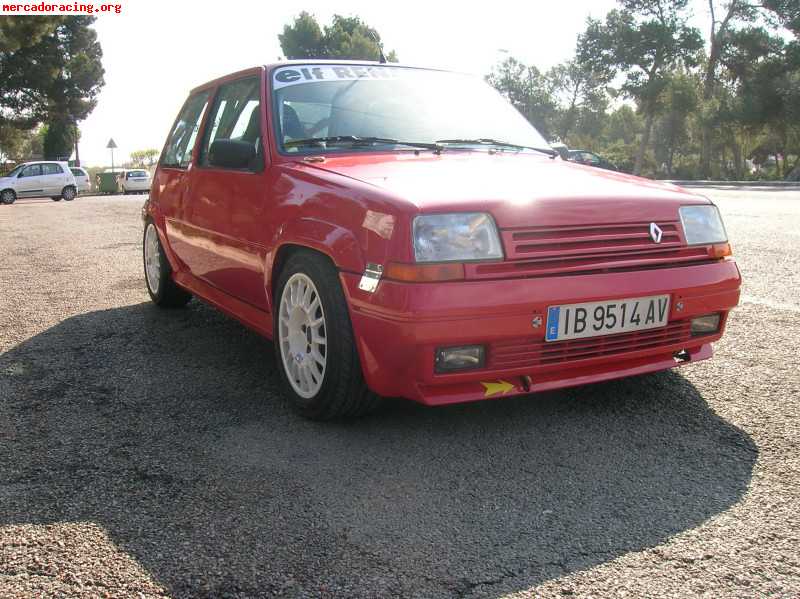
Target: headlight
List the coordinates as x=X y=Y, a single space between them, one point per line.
x=456 y=237
x=702 y=225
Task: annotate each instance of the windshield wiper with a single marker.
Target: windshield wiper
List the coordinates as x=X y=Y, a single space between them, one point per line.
x=356 y=140
x=488 y=141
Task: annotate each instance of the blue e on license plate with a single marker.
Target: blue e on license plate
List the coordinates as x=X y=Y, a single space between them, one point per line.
x=594 y=319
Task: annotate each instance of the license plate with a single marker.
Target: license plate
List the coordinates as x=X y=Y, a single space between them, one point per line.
x=594 y=319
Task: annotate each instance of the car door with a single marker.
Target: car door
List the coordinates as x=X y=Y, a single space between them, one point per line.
x=171 y=181
x=223 y=214
x=53 y=179
x=29 y=182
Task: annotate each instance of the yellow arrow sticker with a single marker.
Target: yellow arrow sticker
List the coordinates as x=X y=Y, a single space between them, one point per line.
x=495 y=387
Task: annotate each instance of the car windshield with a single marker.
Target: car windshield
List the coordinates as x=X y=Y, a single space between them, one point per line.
x=348 y=108
x=15 y=171
x=136 y=174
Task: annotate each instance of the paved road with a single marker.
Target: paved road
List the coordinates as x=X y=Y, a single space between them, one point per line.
x=145 y=453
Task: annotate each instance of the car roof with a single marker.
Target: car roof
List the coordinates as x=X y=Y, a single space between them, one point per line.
x=309 y=61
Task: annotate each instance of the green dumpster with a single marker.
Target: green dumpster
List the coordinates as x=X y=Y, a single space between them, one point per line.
x=107 y=182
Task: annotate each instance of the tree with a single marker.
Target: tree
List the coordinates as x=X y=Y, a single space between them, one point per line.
x=529 y=91
x=347 y=38
x=144 y=158
x=763 y=70
x=645 y=39
x=677 y=104
x=59 y=140
x=21 y=143
x=581 y=90
x=53 y=75
x=730 y=21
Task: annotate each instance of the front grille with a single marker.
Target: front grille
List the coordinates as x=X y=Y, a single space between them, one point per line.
x=534 y=251
x=528 y=352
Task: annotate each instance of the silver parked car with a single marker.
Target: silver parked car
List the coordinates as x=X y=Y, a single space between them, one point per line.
x=37 y=180
x=81 y=179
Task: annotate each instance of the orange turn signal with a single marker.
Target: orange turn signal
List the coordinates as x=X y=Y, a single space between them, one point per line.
x=424 y=273
x=720 y=250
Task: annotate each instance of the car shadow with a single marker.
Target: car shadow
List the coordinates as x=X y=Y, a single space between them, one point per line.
x=24 y=201
x=166 y=429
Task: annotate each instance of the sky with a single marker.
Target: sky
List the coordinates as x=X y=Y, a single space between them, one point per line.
x=155 y=51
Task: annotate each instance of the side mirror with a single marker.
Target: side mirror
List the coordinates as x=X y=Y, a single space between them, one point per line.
x=231 y=153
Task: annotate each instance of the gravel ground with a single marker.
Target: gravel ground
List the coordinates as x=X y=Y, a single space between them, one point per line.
x=145 y=453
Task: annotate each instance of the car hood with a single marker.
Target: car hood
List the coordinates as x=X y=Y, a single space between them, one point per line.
x=517 y=189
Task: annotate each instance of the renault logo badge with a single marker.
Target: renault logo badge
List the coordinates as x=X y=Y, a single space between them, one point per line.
x=655 y=232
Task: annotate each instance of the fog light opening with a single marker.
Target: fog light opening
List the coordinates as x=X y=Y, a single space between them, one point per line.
x=705 y=325
x=455 y=359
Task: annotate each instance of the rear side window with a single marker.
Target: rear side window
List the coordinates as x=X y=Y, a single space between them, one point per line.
x=52 y=169
x=77 y=172
x=236 y=115
x=178 y=152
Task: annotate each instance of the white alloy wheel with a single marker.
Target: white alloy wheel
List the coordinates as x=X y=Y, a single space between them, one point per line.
x=302 y=335
x=152 y=259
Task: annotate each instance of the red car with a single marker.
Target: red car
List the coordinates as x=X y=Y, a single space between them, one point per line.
x=407 y=233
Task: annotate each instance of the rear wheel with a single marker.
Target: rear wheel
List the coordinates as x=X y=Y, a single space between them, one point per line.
x=158 y=273
x=8 y=197
x=68 y=193
x=314 y=342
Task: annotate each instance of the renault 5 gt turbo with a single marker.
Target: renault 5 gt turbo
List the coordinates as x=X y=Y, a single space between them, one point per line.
x=405 y=232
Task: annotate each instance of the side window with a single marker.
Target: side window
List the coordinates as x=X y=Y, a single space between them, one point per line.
x=236 y=116
x=180 y=144
x=34 y=170
x=52 y=169
x=77 y=172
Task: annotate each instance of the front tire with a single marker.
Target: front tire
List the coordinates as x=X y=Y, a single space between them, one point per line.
x=314 y=342
x=68 y=193
x=8 y=197
x=158 y=272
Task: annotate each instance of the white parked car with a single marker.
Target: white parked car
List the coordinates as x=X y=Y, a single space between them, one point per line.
x=135 y=181
x=81 y=179
x=40 y=179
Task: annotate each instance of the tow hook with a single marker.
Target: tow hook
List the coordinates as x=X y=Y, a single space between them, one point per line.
x=527 y=382
x=682 y=356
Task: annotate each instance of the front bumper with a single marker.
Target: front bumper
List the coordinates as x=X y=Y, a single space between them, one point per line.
x=399 y=327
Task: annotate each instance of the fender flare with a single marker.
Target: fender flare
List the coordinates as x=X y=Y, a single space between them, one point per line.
x=334 y=241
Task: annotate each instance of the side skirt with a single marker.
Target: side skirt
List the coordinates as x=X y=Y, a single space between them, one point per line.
x=253 y=318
